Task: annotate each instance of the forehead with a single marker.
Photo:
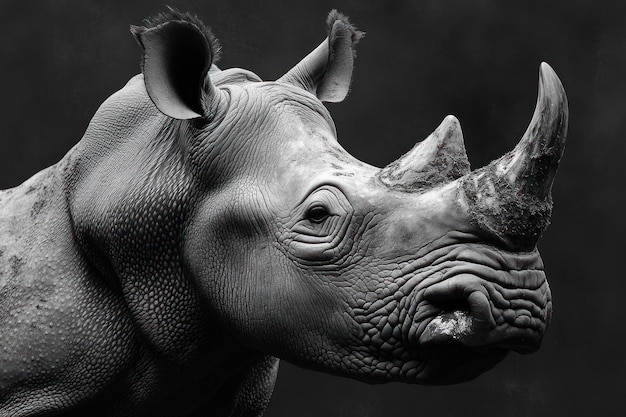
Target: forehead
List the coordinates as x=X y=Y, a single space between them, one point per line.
x=265 y=99
x=268 y=117
x=308 y=110
x=292 y=139
x=292 y=120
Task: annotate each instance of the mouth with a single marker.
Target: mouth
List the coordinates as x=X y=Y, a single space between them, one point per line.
x=459 y=327
x=475 y=322
x=483 y=314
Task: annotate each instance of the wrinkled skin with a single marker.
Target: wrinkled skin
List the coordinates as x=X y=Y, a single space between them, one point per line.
x=188 y=242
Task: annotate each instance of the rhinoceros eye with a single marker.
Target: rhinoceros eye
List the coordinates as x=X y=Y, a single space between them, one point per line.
x=320 y=227
x=317 y=213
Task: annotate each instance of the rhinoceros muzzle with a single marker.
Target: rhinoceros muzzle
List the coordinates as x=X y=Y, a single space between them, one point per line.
x=498 y=299
x=489 y=309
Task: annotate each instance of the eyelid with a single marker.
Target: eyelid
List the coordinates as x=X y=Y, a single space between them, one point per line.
x=325 y=186
x=323 y=197
x=329 y=196
x=317 y=205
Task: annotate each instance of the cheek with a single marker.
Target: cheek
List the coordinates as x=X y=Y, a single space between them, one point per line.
x=240 y=281
x=255 y=290
x=286 y=296
x=289 y=309
x=221 y=253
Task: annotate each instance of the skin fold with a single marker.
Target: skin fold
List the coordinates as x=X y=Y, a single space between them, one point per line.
x=208 y=223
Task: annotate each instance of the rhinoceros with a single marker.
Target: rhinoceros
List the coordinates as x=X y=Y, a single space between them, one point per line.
x=208 y=223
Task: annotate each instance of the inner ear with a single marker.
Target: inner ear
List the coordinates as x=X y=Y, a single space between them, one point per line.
x=177 y=57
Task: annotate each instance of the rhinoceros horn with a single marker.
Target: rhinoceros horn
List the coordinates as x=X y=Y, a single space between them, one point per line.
x=511 y=197
x=534 y=161
x=440 y=158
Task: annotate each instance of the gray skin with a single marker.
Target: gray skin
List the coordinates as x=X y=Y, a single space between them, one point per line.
x=209 y=223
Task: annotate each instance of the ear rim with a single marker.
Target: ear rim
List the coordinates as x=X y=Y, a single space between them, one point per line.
x=177 y=56
x=335 y=84
x=327 y=71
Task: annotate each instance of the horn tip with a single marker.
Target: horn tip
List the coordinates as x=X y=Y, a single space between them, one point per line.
x=450 y=124
x=545 y=67
x=449 y=131
x=549 y=79
x=451 y=120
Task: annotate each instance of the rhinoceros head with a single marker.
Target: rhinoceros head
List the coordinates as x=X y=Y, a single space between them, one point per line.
x=423 y=271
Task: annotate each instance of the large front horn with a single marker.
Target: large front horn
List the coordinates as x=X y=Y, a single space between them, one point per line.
x=511 y=196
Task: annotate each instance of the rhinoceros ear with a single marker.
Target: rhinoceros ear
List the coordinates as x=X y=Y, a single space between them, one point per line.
x=327 y=71
x=178 y=51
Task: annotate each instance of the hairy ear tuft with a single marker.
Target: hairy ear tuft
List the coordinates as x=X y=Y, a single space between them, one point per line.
x=173 y=14
x=178 y=51
x=355 y=34
x=327 y=70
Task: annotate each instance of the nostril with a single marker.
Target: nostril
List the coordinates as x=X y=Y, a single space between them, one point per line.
x=475 y=304
x=466 y=293
x=480 y=309
x=464 y=312
x=448 y=306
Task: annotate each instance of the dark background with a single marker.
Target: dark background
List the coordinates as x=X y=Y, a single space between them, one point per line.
x=420 y=61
